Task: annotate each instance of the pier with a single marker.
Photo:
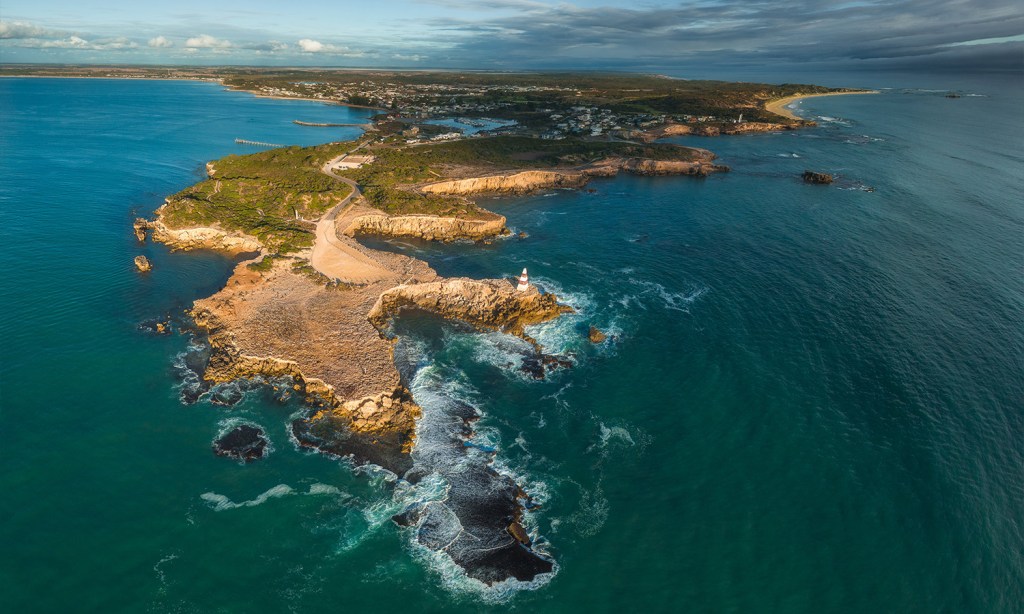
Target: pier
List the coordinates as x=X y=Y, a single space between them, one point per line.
x=321 y=125
x=256 y=143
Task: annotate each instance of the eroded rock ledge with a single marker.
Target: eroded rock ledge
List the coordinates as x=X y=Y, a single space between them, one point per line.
x=199 y=237
x=428 y=227
x=529 y=181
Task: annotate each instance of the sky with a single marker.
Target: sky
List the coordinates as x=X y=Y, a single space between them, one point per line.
x=645 y=35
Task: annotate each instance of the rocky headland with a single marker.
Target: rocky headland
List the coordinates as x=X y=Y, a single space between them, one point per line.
x=530 y=181
x=314 y=307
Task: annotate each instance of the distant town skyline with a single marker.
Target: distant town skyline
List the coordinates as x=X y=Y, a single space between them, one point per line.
x=522 y=34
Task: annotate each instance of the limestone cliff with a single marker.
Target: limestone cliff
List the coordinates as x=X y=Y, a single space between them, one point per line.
x=640 y=166
x=489 y=303
x=516 y=183
x=428 y=227
x=528 y=181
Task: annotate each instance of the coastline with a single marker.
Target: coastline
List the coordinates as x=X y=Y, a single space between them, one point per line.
x=218 y=80
x=779 y=106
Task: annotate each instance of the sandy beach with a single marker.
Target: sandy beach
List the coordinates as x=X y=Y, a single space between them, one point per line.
x=779 y=106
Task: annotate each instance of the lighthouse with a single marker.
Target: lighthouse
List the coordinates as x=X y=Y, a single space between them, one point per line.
x=524 y=282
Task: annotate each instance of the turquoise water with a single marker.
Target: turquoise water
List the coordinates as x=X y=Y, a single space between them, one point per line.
x=813 y=400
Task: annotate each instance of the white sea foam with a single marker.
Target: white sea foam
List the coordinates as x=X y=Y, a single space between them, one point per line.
x=456 y=582
x=323 y=489
x=679 y=301
x=500 y=350
x=161 y=575
x=592 y=513
x=615 y=433
x=219 y=502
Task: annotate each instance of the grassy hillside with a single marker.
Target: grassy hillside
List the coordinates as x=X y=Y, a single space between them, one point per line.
x=260 y=193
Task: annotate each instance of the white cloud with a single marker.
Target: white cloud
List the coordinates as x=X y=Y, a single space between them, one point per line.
x=311 y=46
x=308 y=45
x=205 y=41
x=160 y=42
x=21 y=29
x=77 y=42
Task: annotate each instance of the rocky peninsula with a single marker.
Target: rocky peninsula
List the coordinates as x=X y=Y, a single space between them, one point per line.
x=314 y=306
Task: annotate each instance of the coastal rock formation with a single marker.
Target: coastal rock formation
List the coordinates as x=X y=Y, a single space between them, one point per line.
x=428 y=227
x=817 y=178
x=639 y=166
x=491 y=303
x=595 y=335
x=517 y=183
x=478 y=523
x=280 y=322
x=142 y=264
x=246 y=443
x=529 y=181
x=140 y=226
x=203 y=237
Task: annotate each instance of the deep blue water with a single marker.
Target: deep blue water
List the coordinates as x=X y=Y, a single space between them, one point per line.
x=813 y=400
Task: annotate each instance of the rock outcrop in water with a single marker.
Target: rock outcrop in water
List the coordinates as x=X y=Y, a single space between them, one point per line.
x=246 y=443
x=478 y=523
x=817 y=178
x=142 y=264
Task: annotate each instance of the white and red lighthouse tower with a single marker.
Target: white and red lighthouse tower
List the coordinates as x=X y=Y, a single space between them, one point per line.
x=524 y=282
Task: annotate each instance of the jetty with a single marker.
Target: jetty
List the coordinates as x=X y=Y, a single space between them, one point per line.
x=256 y=143
x=322 y=125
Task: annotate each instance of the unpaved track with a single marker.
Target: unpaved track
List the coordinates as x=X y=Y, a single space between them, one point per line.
x=340 y=257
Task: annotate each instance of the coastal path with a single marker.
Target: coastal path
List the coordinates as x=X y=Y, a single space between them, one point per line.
x=341 y=257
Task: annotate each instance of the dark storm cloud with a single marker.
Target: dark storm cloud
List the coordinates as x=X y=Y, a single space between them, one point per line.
x=899 y=33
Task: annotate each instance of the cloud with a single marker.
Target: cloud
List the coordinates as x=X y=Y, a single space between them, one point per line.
x=311 y=46
x=205 y=41
x=724 y=32
x=657 y=35
x=308 y=45
x=21 y=29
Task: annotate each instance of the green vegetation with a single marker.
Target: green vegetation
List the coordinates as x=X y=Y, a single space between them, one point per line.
x=261 y=193
x=263 y=265
x=385 y=182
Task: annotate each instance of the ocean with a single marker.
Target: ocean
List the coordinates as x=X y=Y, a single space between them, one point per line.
x=811 y=399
